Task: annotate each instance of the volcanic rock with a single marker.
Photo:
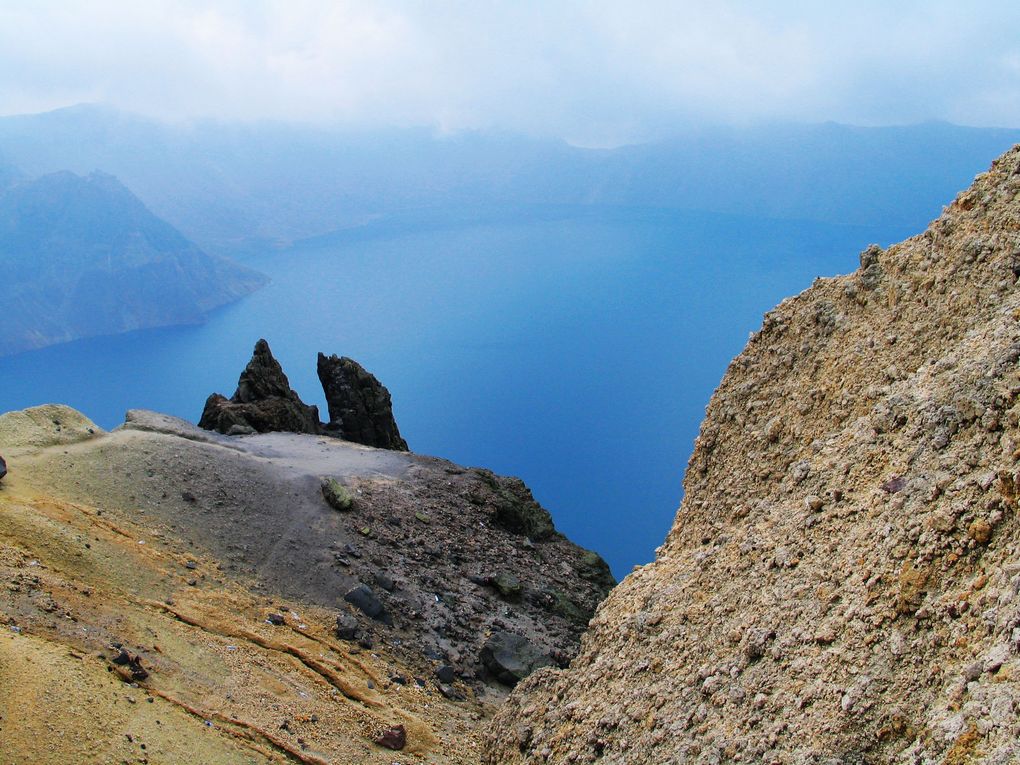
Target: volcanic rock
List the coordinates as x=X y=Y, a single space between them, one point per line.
x=362 y=598
x=885 y=628
x=511 y=658
x=360 y=409
x=263 y=402
x=3 y=468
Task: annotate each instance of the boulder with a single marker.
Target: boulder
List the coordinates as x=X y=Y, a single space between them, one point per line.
x=346 y=626
x=360 y=409
x=263 y=401
x=511 y=658
x=362 y=598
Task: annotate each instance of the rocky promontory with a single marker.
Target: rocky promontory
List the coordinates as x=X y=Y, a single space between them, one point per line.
x=360 y=408
x=842 y=581
x=276 y=597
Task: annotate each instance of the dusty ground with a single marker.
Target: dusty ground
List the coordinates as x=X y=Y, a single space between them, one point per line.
x=176 y=545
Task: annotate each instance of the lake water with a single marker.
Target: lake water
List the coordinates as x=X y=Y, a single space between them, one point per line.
x=577 y=351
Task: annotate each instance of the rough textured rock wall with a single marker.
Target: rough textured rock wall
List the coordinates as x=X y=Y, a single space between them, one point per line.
x=263 y=402
x=360 y=408
x=841 y=582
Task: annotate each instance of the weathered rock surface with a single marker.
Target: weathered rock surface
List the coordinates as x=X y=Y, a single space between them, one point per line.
x=360 y=409
x=511 y=658
x=842 y=582
x=3 y=468
x=264 y=401
x=46 y=425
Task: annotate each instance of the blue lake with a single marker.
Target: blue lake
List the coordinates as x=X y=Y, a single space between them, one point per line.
x=577 y=350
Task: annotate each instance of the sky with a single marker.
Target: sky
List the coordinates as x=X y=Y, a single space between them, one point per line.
x=595 y=72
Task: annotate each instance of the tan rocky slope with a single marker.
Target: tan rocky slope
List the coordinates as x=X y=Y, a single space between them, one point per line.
x=170 y=595
x=841 y=582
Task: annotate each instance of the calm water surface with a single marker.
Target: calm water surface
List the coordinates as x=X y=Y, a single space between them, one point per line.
x=577 y=353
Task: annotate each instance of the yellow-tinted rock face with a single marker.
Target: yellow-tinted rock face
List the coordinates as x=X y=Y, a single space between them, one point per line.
x=41 y=426
x=841 y=582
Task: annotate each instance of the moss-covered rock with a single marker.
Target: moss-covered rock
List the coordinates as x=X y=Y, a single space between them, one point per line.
x=337 y=495
x=515 y=508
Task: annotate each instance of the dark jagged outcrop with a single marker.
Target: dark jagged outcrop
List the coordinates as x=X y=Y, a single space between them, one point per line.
x=263 y=402
x=3 y=468
x=360 y=409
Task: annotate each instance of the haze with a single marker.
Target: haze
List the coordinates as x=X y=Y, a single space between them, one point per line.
x=594 y=73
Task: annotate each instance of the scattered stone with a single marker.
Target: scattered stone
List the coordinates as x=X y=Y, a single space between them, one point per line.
x=128 y=665
x=346 y=626
x=362 y=598
x=894 y=484
x=511 y=658
x=360 y=409
x=445 y=674
x=450 y=692
x=980 y=531
x=507 y=585
x=276 y=620
x=385 y=581
x=3 y=468
x=336 y=495
x=394 y=738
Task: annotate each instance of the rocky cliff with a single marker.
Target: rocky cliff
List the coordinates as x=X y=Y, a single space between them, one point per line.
x=841 y=581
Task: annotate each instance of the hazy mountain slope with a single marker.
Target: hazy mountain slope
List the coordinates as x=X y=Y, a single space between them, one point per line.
x=842 y=581
x=233 y=187
x=83 y=257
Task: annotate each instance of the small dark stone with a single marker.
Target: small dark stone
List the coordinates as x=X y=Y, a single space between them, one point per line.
x=399 y=680
x=450 y=692
x=187 y=496
x=276 y=619
x=394 y=738
x=130 y=665
x=446 y=674
x=507 y=585
x=191 y=565
x=385 y=581
x=3 y=468
x=511 y=658
x=894 y=484
x=346 y=626
x=362 y=598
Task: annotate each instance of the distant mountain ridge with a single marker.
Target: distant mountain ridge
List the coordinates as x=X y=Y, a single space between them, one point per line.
x=83 y=256
x=236 y=188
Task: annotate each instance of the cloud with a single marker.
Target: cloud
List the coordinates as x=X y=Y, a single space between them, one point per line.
x=589 y=70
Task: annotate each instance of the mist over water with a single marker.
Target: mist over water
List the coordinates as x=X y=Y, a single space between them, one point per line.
x=578 y=353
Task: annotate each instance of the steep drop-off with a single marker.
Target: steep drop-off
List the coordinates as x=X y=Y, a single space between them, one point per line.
x=841 y=581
